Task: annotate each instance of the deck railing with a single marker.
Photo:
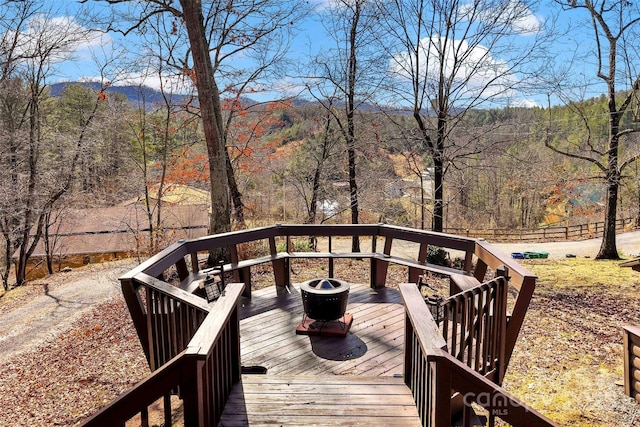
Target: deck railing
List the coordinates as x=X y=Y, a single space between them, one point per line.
x=173 y=317
x=432 y=374
x=474 y=326
x=174 y=327
x=202 y=374
x=184 y=260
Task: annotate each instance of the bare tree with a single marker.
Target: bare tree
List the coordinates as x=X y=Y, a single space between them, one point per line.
x=613 y=31
x=156 y=126
x=35 y=175
x=451 y=56
x=345 y=77
x=307 y=169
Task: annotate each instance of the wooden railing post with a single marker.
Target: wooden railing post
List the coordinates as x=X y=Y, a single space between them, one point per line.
x=191 y=391
x=517 y=316
x=281 y=267
x=234 y=345
x=415 y=273
x=137 y=311
x=379 y=267
x=441 y=377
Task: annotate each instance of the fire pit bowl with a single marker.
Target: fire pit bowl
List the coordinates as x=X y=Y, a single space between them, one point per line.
x=324 y=300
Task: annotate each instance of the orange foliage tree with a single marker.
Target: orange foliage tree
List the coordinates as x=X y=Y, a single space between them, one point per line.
x=249 y=142
x=187 y=166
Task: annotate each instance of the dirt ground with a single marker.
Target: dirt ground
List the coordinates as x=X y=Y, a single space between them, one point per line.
x=67 y=347
x=61 y=334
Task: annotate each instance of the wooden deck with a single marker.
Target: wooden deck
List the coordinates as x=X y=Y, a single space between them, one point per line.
x=329 y=400
x=373 y=346
x=198 y=347
x=317 y=380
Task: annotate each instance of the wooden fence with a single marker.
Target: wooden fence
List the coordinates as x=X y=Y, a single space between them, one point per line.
x=590 y=230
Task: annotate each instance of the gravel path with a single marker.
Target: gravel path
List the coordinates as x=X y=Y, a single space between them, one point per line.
x=67 y=297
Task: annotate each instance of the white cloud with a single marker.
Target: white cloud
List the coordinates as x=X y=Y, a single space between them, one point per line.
x=58 y=37
x=528 y=24
x=169 y=83
x=471 y=69
x=525 y=103
x=320 y=5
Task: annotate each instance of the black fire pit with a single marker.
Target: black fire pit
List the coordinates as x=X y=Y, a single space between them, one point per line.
x=324 y=300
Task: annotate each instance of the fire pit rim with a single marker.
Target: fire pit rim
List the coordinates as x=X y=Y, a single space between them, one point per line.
x=343 y=286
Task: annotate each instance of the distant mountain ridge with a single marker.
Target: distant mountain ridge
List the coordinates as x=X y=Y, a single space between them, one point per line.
x=150 y=96
x=137 y=95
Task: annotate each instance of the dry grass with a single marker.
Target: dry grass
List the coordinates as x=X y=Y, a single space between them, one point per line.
x=568 y=361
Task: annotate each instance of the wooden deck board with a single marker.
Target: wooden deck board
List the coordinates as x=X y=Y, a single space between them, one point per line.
x=268 y=338
x=322 y=381
x=328 y=400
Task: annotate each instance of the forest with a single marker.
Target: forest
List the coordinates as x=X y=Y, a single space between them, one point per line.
x=434 y=140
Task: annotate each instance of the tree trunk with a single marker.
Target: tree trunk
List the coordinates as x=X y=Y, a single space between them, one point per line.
x=638 y=207
x=236 y=195
x=438 y=171
x=21 y=266
x=438 y=194
x=48 y=245
x=608 y=248
x=7 y=261
x=210 y=110
x=353 y=193
x=422 y=202
x=351 y=138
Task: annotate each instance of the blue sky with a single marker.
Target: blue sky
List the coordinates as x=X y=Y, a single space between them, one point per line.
x=100 y=48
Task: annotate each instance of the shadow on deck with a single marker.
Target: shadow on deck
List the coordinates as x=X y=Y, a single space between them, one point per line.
x=372 y=347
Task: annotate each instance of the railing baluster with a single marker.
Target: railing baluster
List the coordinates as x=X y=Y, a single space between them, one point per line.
x=473 y=328
x=496 y=329
x=463 y=327
x=173 y=335
x=144 y=417
x=454 y=325
x=487 y=364
x=162 y=318
x=167 y=409
x=418 y=375
x=479 y=365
